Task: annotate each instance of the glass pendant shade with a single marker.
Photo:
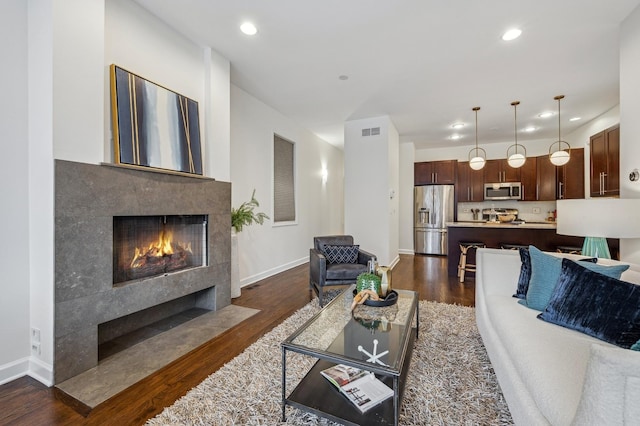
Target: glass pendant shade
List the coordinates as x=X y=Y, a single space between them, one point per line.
x=560 y=157
x=477 y=156
x=516 y=154
x=516 y=160
x=559 y=151
x=477 y=162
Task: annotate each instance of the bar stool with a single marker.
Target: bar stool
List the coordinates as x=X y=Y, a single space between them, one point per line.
x=569 y=249
x=507 y=246
x=463 y=266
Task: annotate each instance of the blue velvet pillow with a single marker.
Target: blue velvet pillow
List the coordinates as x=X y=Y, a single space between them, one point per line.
x=545 y=270
x=636 y=346
x=341 y=254
x=595 y=304
x=525 y=274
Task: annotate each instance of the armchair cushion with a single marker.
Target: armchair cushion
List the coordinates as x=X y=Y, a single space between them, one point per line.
x=341 y=254
x=345 y=271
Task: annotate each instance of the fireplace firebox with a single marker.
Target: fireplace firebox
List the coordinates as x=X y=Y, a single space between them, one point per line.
x=148 y=246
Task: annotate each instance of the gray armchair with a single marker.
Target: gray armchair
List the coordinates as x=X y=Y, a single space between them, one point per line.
x=323 y=272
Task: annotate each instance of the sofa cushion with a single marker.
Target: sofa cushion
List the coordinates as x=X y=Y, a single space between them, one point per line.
x=341 y=254
x=551 y=361
x=545 y=271
x=595 y=304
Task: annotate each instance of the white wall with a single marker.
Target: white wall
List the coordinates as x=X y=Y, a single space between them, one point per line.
x=58 y=88
x=14 y=173
x=405 y=197
x=629 y=122
x=268 y=249
x=371 y=173
x=144 y=45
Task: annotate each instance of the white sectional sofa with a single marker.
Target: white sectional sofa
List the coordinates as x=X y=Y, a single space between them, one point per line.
x=551 y=375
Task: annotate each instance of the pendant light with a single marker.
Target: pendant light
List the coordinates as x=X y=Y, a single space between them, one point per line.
x=478 y=159
x=559 y=151
x=516 y=157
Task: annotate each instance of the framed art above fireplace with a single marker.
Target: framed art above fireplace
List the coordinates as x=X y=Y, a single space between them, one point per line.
x=153 y=126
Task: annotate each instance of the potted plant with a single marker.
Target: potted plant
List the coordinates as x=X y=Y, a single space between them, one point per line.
x=245 y=216
x=241 y=217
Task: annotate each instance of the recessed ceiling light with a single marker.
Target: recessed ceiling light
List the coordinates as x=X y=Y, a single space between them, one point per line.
x=457 y=125
x=575 y=118
x=455 y=137
x=248 y=28
x=343 y=77
x=511 y=34
x=546 y=114
x=530 y=129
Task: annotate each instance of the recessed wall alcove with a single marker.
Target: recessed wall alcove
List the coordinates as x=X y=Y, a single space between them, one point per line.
x=87 y=198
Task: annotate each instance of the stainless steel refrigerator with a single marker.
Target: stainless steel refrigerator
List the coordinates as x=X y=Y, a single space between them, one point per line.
x=433 y=208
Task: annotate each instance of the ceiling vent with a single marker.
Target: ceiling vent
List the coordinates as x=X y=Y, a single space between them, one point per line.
x=374 y=131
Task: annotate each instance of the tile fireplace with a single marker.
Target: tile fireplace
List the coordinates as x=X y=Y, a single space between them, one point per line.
x=133 y=247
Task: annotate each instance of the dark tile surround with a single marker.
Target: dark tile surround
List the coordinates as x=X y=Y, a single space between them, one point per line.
x=86 y=199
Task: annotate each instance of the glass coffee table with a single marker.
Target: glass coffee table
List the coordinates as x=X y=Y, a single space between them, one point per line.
x=377 y=339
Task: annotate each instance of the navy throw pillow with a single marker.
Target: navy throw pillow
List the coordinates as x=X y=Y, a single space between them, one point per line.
x=341 y=254
x=595 y=304
x=525 y=273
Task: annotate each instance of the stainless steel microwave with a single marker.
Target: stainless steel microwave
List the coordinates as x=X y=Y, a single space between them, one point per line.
x=503 y=191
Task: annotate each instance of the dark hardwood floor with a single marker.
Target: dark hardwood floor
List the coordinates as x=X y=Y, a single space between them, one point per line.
x=25 y=401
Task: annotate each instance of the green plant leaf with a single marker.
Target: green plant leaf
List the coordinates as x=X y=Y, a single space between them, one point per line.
x=245 y=216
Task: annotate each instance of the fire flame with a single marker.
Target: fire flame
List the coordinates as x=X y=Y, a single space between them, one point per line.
x=164 y=246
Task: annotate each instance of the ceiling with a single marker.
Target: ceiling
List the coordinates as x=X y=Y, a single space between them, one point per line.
x=424 y=63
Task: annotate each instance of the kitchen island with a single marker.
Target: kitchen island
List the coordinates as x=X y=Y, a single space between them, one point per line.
x=540 y=234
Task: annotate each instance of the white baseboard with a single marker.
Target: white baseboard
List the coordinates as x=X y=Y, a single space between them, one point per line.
x=14 y=370
x=41 y=371
x=406 y=251
x=27 y=366
x=266 y=274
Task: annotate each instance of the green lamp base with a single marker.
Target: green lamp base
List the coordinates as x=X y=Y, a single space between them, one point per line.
x=596 y=247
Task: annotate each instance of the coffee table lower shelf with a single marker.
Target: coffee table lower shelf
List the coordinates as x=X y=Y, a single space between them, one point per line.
x=315 y=394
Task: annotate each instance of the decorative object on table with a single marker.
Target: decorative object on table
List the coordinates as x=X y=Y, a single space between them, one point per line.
x=368 y=281
x=153 y=127
x=241 y=217
x=559 y=151
x=374 y=356
x=385 y=280
x=597 y=219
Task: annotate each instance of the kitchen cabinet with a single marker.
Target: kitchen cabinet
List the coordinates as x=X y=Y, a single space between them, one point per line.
x=500 y=171
x=605 y=162
x=469 y=185
x=528 y=174
x=570 y=177
x=559 y=183
x=545 y=179
x=430 y=172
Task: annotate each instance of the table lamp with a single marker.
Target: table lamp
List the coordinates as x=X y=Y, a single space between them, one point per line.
x=597 y=219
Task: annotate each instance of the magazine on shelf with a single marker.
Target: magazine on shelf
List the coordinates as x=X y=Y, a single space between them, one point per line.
x=361 y=387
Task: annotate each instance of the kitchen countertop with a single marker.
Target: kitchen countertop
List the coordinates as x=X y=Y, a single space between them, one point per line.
x=502 y=225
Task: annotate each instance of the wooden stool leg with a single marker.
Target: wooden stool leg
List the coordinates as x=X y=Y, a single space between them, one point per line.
x=463 y=263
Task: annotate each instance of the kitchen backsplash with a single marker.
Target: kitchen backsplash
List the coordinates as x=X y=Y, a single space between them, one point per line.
x=529 y=211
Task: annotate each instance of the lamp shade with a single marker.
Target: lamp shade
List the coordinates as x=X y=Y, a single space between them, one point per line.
x=599 y=217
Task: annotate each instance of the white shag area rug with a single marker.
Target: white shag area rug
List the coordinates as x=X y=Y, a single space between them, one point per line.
x=450 y=382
